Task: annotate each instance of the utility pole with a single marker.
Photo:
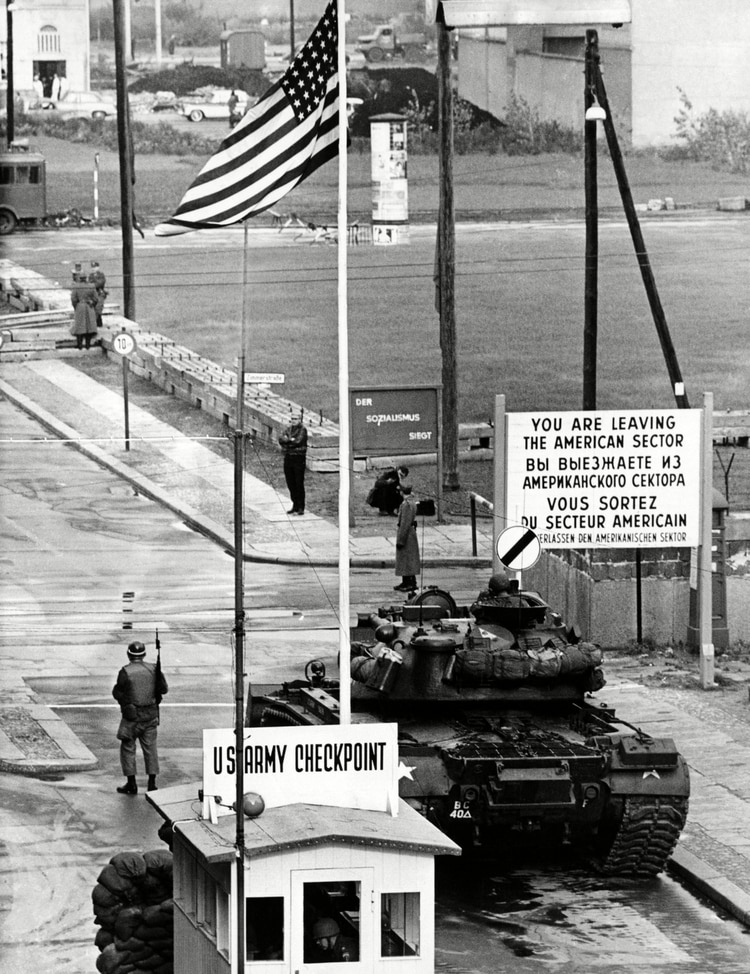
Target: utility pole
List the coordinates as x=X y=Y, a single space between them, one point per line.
x=126 y=160
x=11 y=106
x=591 y=280
x=446 y=261
x=291 y=30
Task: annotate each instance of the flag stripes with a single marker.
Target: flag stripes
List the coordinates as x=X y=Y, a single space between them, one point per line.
x=287 y=135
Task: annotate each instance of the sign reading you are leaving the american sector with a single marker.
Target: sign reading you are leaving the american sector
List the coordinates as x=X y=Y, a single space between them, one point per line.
x=611 y=479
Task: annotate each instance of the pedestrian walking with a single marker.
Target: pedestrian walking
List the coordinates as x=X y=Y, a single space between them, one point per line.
x=84 y=300
x=386 y=491
x=138 y=690
x=234 y=114
x=294 y=444
x=408 y=564
x=98 y=278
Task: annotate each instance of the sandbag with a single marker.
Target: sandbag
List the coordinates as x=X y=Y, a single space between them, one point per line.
x=103 y=938
x=102 y=897
x=149 y=934
x=130 y=865
x=108 y=962
x=159 y=862
x=119 y=885
x=127 y=922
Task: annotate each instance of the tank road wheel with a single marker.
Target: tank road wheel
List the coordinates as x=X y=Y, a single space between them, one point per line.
x=8 y=222
x=196 y=115
x=375 y=54
x=277 y=717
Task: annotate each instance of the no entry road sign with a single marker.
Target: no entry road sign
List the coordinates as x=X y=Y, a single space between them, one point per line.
x=518 y=548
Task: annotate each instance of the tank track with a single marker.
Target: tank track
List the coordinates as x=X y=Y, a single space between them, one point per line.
x=647 y=834
x=277 y=717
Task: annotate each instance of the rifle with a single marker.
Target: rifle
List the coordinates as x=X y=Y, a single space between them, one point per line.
x=157 y=672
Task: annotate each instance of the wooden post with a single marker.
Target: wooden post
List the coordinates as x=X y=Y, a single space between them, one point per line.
x=447 y=263
x=126 y=161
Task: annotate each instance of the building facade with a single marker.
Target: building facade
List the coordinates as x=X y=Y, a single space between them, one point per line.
x=48 y=39
x=696 y=47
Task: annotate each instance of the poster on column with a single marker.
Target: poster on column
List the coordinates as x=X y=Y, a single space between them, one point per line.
x=607 y=479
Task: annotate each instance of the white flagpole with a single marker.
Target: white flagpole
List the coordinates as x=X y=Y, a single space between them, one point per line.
x=343 y=350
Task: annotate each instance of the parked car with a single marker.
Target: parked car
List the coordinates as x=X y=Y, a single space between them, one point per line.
x=81 y=104
x=211 y=103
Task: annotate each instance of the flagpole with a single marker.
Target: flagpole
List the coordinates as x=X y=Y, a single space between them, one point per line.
x=343 y=352
x=239 y=617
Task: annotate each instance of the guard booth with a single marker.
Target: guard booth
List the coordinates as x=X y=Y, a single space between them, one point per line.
x=23 y=186
x=366 y=872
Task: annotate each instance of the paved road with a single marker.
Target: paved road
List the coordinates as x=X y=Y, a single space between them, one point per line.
x=76 y=542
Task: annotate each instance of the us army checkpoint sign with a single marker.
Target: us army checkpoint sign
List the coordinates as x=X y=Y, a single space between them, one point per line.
x=608 y=479
x=347 y=765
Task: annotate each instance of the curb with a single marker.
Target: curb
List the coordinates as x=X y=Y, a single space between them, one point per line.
x=199 y=522
x=717 y=888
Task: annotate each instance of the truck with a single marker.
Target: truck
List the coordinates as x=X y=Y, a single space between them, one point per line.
x=385 y=43
x=23 y=187
x=244 y=48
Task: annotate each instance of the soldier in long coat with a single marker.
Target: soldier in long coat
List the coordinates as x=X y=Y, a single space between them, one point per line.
x=83 y=297
x=408 y=564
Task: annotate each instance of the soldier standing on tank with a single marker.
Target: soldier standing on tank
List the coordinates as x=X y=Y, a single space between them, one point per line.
x=138 y=689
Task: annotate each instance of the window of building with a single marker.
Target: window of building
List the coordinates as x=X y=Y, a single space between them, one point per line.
x=186 y=879
x=48 y=40
x=331 y=917
x=399 y=930
x=264 y=927
x=206 y=902
x=222 y=921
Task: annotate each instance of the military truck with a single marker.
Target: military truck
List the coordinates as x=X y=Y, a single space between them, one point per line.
x=385 y=43
x=501 y=729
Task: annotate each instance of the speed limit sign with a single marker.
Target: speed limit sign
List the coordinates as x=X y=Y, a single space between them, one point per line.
x=123 y=343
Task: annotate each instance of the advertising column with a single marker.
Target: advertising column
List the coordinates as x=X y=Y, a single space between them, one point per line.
x=390 y=206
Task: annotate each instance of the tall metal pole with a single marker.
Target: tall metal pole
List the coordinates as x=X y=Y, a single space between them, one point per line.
x=10 y=90
x=591 y=280
x=126 y=161
x=157 y=32
x=447 y=262
x=239 y=618
x=291 y=29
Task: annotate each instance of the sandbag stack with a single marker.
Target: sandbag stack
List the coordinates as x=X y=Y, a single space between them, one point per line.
x=133 y=907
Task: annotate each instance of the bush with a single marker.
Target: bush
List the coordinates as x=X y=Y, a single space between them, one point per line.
x=526 y=134
x=719 y=138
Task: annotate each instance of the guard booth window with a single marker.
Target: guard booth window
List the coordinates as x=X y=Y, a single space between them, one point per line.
x=264 y=927
x=331 y=920
x=20 y=175
x=399 y=929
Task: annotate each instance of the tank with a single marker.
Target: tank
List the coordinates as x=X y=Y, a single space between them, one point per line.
x=500 y=729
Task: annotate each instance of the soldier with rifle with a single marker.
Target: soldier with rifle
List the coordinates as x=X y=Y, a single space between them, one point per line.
x=139 y=690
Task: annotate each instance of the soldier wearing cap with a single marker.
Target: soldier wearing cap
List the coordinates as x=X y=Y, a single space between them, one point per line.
x=139 y=688
x=294 y=444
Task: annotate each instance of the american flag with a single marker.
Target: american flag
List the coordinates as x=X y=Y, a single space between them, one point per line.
x=287 y=135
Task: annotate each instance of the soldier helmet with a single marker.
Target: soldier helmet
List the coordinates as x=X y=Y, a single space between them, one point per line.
x=325 y=927
x=499 y=583
x=136 y=650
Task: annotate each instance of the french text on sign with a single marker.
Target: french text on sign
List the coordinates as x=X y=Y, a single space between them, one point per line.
x=518 y=548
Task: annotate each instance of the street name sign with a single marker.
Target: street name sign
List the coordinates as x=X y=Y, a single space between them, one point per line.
x=343 y=765
x=264 y=378
x=607 y=479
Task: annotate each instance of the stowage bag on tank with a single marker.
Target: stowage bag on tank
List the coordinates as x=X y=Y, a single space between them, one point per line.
x=580 y=657
x=545 y=663
x=511 y=665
